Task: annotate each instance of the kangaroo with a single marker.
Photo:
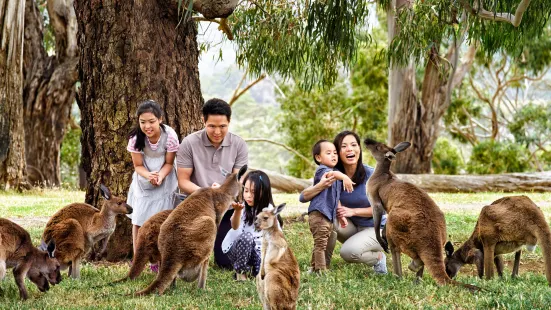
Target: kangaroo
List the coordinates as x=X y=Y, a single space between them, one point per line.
x=77 y=227
x=278 y=281
x=18 y=252
x=186 y=238
x=415 y=225
x=502 y=227
x=147 y=249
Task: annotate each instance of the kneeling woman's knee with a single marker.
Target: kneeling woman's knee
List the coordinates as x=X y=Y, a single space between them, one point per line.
x=350 y=254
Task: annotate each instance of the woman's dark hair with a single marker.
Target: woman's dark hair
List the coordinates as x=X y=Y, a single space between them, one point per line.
x=360 y=174
x=148 y=106
x=216 y=106
x=262 y=194
x=316 y=149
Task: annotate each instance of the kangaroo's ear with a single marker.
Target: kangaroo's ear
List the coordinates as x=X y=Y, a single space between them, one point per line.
x=224 y=171
x=241 y=172
x=402 y=146
x=449 y=249
x=279 y=208
x=105 y=192
x=51 y=249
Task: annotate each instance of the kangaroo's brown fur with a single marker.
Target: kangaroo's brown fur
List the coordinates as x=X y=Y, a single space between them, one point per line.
x=415 y=224
x=18 y=252
x=186 y=238
x=278 y=281
x=147 y=249
x=503 y=227
x=77 y=227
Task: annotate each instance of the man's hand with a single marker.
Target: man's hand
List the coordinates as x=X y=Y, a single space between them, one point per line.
x=215 y=185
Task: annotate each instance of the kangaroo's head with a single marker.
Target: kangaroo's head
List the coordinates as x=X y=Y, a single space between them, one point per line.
x=114 y=204
x=232 y=184
x=45 y=268
x=268 y=217
x=456 y=259
x=382 y=152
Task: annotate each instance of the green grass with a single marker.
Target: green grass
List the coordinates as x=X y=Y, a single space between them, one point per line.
x=346 y=286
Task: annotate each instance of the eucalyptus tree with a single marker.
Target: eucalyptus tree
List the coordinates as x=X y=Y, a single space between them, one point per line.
x=429 y=35
x=12 y=136
x=41 y=112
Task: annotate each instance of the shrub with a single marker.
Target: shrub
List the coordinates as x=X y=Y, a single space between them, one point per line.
x=492 y=157
x=446 y=158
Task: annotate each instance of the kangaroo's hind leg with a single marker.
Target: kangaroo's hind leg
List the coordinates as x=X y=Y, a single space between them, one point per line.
x=516 y=264
x=203 y=275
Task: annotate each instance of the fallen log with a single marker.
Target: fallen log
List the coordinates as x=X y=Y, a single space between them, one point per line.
x=510 y=182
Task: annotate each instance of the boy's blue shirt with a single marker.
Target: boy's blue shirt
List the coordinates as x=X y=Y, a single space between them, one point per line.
x=327 y=200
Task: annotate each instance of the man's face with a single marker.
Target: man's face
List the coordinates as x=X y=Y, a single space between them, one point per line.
x=217 y=128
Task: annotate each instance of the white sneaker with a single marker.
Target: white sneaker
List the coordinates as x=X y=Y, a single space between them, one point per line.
x=380 y=266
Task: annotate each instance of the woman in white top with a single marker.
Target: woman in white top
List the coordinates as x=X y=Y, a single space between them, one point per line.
x=242 y=244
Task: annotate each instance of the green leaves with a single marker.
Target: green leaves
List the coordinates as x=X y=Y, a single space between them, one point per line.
x=301 y=40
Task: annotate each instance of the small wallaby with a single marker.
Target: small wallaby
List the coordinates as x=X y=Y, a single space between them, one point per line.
x=415 y=225
x=76 y=228
x=186 y=238
x=503 y=227
x=278 y=281
x=147 y=249
x=18 y=252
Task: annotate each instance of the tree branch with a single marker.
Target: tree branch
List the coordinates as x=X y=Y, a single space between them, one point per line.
x=222 y=22
x=244 y=90
x=288 y=148
x=500 y=17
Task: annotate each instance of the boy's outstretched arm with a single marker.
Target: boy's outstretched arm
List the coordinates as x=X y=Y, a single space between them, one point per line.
x=347 y=182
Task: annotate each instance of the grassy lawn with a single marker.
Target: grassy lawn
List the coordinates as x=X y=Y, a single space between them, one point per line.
x=346 y=286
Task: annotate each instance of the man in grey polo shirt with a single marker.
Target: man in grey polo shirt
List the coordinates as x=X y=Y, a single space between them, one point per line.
x=202 y=153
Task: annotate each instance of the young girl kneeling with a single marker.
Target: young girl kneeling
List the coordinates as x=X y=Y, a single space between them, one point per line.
x=243 y=243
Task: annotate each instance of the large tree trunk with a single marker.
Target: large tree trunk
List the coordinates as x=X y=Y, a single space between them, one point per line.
x=414 y=119
x=418 y=122
x=12 y=147
x=131 y=51
x=403 y=105
x=49 y=89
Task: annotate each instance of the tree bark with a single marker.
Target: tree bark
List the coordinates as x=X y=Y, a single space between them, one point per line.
x=414 y=119
x=12 y=147
x=511 y=182
x=131 y=51
x=49 y=89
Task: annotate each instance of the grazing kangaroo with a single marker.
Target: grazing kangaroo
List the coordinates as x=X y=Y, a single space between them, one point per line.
x=278 y=281
x=147 y=249
x=18 y=252
x=77 y=227
x=502 y=227
x=415 y=225
x=186 y=238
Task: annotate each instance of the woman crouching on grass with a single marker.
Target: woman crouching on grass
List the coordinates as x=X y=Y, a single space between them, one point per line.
x=242 y=244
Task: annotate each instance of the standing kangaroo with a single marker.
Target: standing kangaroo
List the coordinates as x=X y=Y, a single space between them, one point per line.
x=18 y=252
x=278 y=281
x=186 y=238
x=415 y=225
x=77 y=227
x=502 y=227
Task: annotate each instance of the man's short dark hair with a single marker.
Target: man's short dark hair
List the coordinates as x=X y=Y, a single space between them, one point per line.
x=216 y=106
